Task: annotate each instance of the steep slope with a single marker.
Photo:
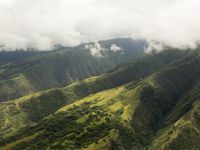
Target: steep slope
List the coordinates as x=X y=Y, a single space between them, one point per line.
x=159 y=111
x=61 y=67
x=182 y=124
x=35 y=105
x=18 y=56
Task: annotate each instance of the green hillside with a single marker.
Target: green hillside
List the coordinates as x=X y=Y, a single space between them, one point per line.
x=25 y=72
x=149 y=103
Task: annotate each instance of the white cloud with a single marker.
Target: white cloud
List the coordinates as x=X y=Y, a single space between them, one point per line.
x=43 y=23
x=154 y=45
x=115 y=48
x=95 y=49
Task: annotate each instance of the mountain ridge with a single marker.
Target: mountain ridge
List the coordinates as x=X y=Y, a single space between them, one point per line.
x=44 y=70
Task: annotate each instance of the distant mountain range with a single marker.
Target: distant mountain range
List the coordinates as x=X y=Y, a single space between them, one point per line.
x=25 y=72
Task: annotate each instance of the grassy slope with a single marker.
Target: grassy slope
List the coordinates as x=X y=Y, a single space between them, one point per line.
x=29 y=109
x=123 y=117
x=10 y=88
x=79 y=124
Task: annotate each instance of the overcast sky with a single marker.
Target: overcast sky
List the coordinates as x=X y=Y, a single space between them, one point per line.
x=41 y=24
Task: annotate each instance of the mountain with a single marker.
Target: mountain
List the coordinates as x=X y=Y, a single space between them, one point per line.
x=152 y=102
x=26 y=72
x=18 y=56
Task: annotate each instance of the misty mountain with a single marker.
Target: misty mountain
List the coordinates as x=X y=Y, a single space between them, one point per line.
x=25 y=72
x=99 y=75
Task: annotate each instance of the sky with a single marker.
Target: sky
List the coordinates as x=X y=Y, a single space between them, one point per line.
x=41 y=24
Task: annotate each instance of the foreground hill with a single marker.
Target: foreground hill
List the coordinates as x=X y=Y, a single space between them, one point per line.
x=150 y=103
x=25 y=72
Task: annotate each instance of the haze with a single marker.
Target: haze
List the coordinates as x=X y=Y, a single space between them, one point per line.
x=42 y=24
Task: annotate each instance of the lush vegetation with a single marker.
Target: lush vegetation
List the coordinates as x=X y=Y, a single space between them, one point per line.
x=150 y=103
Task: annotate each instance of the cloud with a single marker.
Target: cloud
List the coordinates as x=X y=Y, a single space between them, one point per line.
x=115 y=48
x=44 y=23
x=154 y=46
x=95 y=49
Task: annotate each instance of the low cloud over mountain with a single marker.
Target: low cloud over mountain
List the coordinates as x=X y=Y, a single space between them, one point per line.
x=45 y=23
